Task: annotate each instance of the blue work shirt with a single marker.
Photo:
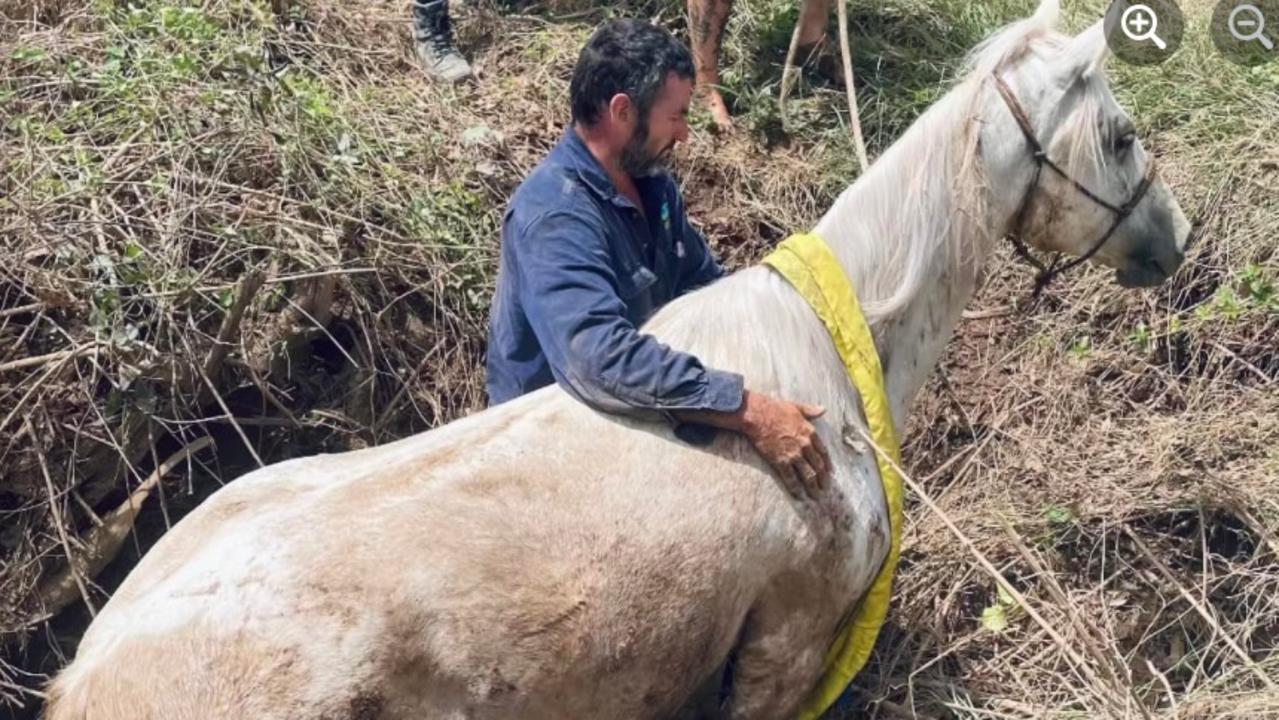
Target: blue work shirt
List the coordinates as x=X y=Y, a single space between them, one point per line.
x=581 y=269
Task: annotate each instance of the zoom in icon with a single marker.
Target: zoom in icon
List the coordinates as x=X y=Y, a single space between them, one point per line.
x=1144 y=33
x=1247 y=31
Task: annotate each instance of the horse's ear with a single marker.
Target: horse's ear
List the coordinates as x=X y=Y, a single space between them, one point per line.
x=1046 y=14
x=1086 y=53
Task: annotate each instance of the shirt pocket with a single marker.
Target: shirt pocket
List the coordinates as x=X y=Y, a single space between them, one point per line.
x=631 y=283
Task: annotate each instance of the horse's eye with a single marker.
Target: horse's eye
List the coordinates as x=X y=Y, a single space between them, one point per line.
x=1125 y=141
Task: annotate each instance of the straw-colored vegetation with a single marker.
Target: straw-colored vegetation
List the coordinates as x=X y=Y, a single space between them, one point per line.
x=262 y=226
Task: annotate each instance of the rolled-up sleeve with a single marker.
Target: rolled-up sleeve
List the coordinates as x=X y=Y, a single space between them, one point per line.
x=570 y=295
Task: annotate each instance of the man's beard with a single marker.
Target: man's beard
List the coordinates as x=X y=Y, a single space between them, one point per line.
x=636 y=160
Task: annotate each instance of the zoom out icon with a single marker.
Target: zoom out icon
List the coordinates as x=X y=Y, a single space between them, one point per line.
x=1245 y=30
x=1250 y=17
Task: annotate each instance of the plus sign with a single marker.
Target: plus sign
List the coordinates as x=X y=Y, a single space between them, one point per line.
x=1139 y=22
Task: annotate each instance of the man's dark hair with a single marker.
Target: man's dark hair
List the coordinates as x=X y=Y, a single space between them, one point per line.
x=632 y=57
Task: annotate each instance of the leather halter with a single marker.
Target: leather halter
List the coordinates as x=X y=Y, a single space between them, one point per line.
x=1049 y=271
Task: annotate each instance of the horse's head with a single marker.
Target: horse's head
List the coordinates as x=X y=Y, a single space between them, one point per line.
x=1094 y=172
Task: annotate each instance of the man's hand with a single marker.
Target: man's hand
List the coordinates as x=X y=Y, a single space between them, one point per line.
x=782 y=434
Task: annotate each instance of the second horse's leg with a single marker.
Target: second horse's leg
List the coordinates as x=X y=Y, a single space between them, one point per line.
x=812 y=21
x=706 y=19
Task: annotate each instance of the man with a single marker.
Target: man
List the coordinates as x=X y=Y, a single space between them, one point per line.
x=433 y=42
x=596 y=239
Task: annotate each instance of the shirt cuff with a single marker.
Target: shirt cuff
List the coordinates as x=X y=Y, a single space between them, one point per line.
x=724 y=391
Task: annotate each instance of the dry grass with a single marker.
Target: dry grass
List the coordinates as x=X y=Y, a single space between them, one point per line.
x=176 y=174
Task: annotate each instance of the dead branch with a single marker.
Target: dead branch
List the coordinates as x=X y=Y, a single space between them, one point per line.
x=102 y=543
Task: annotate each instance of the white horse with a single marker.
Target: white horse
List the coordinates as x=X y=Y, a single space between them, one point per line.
x=541 y=560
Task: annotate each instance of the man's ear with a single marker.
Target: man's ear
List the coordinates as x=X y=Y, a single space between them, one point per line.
x=1085 y=55
x=621 y=109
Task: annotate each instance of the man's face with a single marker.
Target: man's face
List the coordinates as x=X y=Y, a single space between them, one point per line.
x=653 y=137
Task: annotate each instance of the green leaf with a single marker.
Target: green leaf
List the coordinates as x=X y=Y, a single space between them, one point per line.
x=28 y=54
x=1058 y=515
x=1005 y=598
x=994 y=618
x=1080 y=347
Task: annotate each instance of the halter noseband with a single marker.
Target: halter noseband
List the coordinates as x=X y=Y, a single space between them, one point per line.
x=1051 y=270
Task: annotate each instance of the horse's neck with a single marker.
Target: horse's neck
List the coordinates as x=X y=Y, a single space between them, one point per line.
x=880 y=211
x=911 y=344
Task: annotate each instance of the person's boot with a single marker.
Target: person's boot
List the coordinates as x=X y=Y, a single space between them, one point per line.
x=433 y=40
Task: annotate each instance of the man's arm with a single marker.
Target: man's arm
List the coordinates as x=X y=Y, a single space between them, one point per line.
x=569 y=293
x=782 y=434
x=568 y=290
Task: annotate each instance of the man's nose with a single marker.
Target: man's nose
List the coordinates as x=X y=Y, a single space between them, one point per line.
x=681 y=132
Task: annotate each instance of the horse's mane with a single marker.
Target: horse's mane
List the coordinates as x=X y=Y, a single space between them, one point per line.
x=889 y=233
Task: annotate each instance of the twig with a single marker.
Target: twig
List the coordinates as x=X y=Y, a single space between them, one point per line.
x=1203 y=611
x=1163 y=680
x=22 y=689
x=75 y=495
x=58 y=521
x=103 y=543
x=231 y=322
x=1257 y=526
x=230 y=416
x=18 y=344
x=21 y=309
x=1084 y=631
x=849 y=89
x=987 y=314
x=787 y=69
x=966 y=455
x=321 y=327
x=1255 y=370
x=47 y=358
x=223 y=185
x=989 y=567
x=263 y=387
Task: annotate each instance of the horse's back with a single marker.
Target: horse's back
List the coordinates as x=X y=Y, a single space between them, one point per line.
x=515 y=550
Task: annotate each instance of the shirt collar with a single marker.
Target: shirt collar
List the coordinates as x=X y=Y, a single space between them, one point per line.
x=577 y=156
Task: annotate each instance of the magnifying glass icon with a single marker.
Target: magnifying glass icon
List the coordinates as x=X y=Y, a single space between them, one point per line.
x=1250 y=26
x=1140 y=23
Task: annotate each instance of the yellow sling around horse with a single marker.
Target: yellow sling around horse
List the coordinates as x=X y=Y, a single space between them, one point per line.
x=809 y=266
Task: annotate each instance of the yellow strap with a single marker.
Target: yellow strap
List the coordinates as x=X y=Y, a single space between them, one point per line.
x=810 y=267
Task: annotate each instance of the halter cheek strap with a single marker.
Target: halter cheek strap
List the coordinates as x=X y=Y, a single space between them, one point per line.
x=1049 y=271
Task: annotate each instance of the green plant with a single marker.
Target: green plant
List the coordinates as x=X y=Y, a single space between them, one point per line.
x=1081 y=346
x=995 y=616
x=1140 y=338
